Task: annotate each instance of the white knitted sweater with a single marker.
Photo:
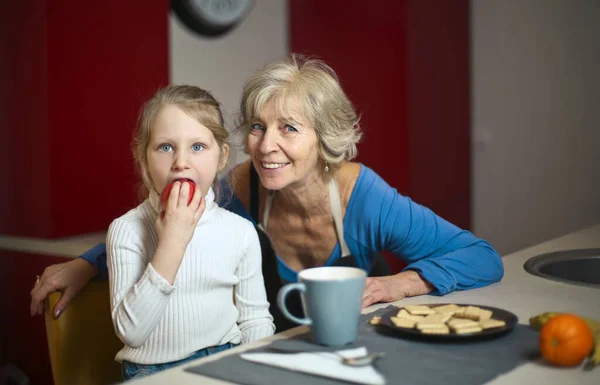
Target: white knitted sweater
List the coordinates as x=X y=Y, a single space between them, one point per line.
x=161 y=323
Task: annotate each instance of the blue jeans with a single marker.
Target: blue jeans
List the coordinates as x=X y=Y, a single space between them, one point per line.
x=131 y=370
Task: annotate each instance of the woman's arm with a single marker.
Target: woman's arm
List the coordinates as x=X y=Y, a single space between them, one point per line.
x=68 y=277
x=441 y=257
x=254 y=321
x=441 y=253
x=96 y=256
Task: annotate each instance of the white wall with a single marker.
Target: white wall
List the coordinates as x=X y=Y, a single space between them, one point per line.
x=536 y=123
x=221 y=65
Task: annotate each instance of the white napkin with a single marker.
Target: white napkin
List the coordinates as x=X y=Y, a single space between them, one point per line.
x=323 y=364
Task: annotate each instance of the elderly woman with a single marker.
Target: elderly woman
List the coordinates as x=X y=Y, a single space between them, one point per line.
x=316 y=207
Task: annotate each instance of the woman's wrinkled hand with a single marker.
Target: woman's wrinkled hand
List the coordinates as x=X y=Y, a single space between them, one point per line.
x=69 y=277
x=395 y=287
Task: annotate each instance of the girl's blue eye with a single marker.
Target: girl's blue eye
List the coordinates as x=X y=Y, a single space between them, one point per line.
x=256 y=127
x=165 y=147
x=197 y=147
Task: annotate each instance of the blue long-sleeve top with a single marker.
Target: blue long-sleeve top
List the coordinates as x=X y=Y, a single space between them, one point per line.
x=377 y=219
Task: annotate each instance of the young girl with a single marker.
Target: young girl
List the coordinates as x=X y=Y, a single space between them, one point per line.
x=173 y=270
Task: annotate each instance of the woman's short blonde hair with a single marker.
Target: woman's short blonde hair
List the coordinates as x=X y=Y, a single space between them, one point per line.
x=311 y=87
x=194 y=101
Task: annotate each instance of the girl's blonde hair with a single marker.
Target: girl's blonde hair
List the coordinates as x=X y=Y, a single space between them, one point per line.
x=194 y=101
x=311 y=87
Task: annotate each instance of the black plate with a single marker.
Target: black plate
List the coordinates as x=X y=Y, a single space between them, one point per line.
x=500 y=314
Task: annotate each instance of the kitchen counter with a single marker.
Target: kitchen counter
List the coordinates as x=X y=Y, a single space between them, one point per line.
x=519 y=292
x=527 y=295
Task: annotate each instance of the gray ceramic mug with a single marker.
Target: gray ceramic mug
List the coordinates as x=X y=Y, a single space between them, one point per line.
x=331 y=298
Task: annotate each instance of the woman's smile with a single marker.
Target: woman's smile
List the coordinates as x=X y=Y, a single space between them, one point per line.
x=273 y=166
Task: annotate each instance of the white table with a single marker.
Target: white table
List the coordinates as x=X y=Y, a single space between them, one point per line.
x=519 y=292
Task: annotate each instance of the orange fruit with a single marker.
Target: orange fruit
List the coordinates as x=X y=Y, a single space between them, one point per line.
x=566 y=340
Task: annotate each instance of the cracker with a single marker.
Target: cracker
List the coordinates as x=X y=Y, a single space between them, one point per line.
x=484 y=314
x=437 y=317
x=474 y=313
x=421 y=325
x=447 y=309
x=404 y=314
x=441 y=330
x=419 y=309
x=459 y=324
x=491 y=323
x=468 y=330
x=403 y=322
x=375 y=320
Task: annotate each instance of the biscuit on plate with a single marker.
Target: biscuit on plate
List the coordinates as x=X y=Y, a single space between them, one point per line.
x=491 y=323
x=421 y=325
x=437 y=317
x=404 y=314
x=440 y=330
x=403 y=322
x=460 y=323
x=474 y=313
x=447 y=309
x=468 y=330
x=419 y=309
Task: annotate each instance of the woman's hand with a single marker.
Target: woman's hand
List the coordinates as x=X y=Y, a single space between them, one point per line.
x=395 y=287
x=176 y=228
x=69 y=277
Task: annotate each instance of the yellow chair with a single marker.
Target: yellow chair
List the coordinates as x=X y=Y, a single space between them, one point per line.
x=82 y=342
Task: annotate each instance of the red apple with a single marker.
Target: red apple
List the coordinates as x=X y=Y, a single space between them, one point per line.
x=164 y=196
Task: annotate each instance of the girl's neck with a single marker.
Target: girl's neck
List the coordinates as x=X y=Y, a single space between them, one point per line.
x=307 y=199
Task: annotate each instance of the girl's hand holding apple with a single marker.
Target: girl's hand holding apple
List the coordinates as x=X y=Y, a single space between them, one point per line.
x=175 y=226
x=182 y=207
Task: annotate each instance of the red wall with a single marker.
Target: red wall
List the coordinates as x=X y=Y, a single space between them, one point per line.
x=405 y=66
x=439 y=107
x=75 y=77
x=365 y=43
x=24 y=169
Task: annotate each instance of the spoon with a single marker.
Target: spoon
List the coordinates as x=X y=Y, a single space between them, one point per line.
x=364 y=360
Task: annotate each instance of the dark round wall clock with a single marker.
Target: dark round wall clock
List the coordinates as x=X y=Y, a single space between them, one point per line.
x=211 y=17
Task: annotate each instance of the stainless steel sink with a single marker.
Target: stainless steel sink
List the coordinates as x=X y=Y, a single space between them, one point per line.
x=577 y=267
